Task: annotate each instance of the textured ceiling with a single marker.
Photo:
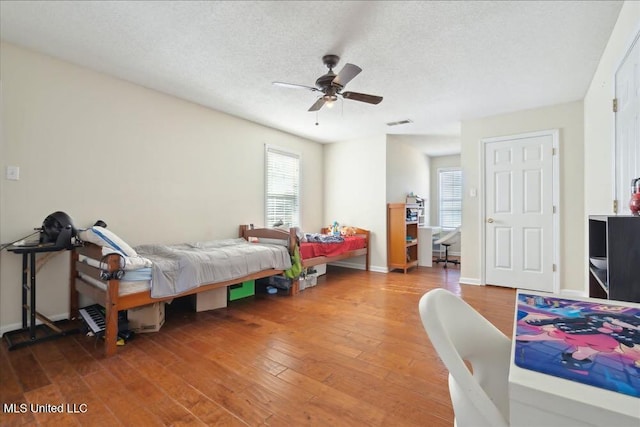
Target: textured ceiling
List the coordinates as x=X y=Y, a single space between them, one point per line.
x=436 y=63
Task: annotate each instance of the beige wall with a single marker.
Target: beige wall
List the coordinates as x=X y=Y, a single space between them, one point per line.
x=407 y=171
x=156 y=168
x=599 y=120
x=354 y=192
x=568 y=118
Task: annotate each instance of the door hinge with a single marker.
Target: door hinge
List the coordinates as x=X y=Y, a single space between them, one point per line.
x=553 y=151
x=615 y=206
x=554 y=268
x=615 y=105
x=554 y=209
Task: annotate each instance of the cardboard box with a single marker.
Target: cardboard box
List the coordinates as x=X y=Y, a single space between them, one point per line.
x=210 y=300
x=148 y=318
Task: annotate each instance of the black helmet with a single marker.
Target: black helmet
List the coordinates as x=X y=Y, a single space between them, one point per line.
x=54 y=224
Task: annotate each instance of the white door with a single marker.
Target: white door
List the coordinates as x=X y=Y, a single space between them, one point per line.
x=627 y=163
x=519 y=226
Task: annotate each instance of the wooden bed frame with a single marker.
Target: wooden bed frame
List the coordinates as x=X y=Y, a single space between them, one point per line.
x=113 y=302
x=310 y=262
x=291 y=237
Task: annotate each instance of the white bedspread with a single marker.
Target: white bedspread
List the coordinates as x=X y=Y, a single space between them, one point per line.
x=178 y=268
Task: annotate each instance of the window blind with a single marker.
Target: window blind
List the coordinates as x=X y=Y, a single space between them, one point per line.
x=450 y=193
x=282 y=187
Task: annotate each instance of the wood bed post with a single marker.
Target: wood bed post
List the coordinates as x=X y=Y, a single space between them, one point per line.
x=367 y=257
x=111 y=308
x=293 y=240
x=295 y=287
x=73 y=292
x=241 y=231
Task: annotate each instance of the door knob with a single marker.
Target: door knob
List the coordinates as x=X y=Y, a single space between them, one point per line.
x=490 y=220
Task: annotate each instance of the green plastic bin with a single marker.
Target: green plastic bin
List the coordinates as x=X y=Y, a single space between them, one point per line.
x=242 y=290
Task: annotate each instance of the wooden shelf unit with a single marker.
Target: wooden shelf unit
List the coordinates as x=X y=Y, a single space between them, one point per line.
x=616 y=238
x=402 y=238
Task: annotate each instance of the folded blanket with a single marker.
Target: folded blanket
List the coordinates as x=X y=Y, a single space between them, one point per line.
x=178 y=268
x=323 y=238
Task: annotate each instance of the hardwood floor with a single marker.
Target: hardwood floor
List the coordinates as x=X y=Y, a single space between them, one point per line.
x=349 y=352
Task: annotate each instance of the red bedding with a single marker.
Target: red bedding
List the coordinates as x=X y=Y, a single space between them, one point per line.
x=314 y=249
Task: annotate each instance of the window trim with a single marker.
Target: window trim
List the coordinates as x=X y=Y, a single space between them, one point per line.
x=268 y=149
x=440 y=171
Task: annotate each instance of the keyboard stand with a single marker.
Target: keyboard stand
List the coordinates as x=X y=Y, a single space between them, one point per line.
x=48 y=329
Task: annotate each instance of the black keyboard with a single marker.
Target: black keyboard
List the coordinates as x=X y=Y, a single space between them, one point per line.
x=94 y=318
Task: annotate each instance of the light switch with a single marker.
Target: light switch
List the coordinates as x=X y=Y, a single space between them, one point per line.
x=473 y=192
x=13 y=173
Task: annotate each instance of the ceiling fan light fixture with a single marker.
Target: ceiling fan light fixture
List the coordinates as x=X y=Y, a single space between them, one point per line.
x=329 y=100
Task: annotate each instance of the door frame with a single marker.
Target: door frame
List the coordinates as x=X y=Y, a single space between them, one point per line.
x=555 y=137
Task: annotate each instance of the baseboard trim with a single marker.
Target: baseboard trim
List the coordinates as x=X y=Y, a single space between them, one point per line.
x=356 y=266
x=16 y=326
x=470 y=281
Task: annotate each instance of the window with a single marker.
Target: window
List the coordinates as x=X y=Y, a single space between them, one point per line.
x=282 y=187
x=450 y=197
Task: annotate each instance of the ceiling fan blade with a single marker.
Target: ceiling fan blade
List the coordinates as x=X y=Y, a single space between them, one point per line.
x=348 y=72
x=318 y=104
x=295 y=86
x=363 y=97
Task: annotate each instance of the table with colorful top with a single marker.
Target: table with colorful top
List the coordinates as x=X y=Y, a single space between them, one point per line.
x=574 y=362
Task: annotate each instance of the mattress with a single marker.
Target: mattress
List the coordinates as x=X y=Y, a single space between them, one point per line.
x=133 y=281
x=125 y=288
x=140 y=274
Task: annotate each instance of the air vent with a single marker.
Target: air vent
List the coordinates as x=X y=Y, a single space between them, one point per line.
x=401 y=122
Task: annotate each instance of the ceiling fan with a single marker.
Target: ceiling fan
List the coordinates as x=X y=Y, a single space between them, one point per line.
x=331 y=85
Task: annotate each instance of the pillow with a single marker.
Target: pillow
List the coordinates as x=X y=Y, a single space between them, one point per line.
x=106 y=238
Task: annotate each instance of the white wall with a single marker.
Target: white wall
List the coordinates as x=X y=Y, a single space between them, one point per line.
x=599 y=120
x=568 y=118
x=156 y=168
x=354 y=183
x=407 y=171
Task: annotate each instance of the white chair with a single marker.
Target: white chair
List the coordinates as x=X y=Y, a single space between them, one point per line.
x=458 y=334
x=446 y=241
